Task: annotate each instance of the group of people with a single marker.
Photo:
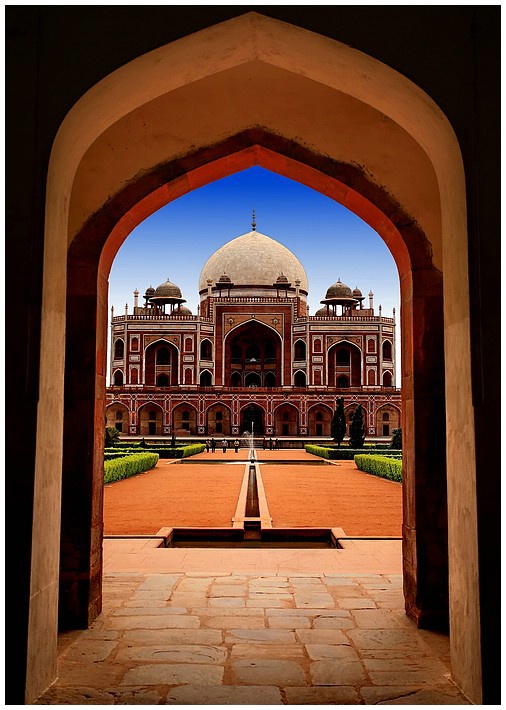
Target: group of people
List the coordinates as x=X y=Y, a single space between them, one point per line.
x=211 y=445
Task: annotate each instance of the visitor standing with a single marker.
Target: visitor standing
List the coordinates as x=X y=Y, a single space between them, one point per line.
x=276 y=444
x=208 y=444
x=173 y=441
x=270 y=444
x=213 y=445
x=224 y=444
x=236 y=445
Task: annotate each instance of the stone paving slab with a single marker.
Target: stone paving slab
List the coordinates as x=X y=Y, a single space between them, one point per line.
x=224 y=695
x=208 y=639
x=173 y=653
x=337 y=672
x=402 y=695
x=268 y=650
x=93 y=696
x=342 y=695
x=174 y=674
x=268 y=672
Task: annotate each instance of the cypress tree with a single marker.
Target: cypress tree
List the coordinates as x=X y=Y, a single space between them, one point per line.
x=396 y=442
x=338 y=426
x=357 y=429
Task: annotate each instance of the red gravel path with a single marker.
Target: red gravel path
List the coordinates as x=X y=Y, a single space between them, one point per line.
x=333 y=496
x=196 y=495
x=174 y=495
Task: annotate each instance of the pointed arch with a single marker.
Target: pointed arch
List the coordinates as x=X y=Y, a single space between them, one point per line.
x=344 y=364
x=150 y=418
x=117 y=415
x=81 y=210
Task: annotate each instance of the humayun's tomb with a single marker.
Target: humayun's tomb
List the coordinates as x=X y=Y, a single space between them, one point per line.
x=252 y=357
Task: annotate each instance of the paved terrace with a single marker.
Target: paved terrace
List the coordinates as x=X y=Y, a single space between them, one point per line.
x=250 y=625
x=228 y=626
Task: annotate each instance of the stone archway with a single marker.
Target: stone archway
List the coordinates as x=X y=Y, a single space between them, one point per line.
x=184 y=420
x=421 y=220
x=252 y=419
x=118 y=416
x=286 y=420
x=150 y=418
x=218 y=420
x=320 y=419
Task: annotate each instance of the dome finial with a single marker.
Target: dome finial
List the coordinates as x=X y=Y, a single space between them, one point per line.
x=253 y=223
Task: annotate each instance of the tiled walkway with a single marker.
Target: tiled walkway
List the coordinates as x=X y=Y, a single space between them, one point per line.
x=306 y=629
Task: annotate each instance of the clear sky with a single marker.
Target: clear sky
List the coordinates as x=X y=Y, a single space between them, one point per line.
x=329 y=240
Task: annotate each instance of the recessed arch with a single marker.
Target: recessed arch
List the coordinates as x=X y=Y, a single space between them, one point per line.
x=161 y=359
x=117 y=415
x=184 y=419
x=299 y=349
x=286 y=420
x=253 y=43
x=206 y=349
x=299 y=378
x=150 y=419
x=218 y=419
x=384 y=425
x=319 y=419
x=247 y=344
x=117 y=378
x=386 y=349
x=119 y=349
x=349 y=369
x=206 y=378
x=252 y=413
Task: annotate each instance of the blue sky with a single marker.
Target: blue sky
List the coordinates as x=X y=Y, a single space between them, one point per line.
x=329 y=240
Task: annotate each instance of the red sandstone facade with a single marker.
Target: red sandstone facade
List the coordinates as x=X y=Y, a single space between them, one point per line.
x=253 y=357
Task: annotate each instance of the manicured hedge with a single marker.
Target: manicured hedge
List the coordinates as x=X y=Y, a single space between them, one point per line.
x=345 y=453
x=383 y=466
x=111 y=455
x=180 y=452
x=128 y=466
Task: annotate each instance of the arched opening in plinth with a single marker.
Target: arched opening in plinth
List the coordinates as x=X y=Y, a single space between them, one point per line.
x=117 y=417
x=320 y=419
x=150 y=418
x=253 y=419
x=218 y=420
x=286 y=420
x=384 y=150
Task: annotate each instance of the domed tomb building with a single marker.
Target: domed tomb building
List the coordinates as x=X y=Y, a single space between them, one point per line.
x=252 y=358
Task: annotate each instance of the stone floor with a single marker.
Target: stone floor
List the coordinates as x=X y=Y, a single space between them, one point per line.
x=253 y=637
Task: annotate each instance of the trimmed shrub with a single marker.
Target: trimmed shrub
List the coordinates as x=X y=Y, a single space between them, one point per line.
x=345 y=454
x=127 y=466
x=111 y=435
x=180 y=452
x=384 y=466
x=110 y=455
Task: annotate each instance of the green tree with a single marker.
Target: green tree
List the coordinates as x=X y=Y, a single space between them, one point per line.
x=338 y=426
x=111 y=436
x=357 y=429
x=396 y=442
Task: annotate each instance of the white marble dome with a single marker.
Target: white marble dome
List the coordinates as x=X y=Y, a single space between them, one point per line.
x=253 y=259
